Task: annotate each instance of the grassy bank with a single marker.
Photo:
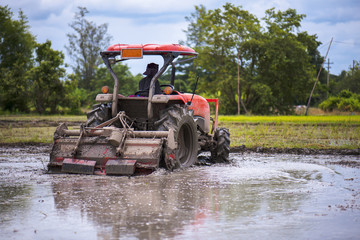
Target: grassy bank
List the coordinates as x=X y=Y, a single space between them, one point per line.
x=14 y=135
x=352 y=119
x=43 y=118
x=317 y=132
x=32 y=128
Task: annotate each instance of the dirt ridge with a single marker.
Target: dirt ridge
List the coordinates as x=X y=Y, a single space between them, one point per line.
x=35 y=123
x=237 y=149
x=298 y=151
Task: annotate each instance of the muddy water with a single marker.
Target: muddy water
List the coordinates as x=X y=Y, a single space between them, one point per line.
x=255 y=197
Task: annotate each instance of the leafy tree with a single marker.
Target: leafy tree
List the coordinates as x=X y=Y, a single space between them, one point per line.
x=16 y=46
x=74 y=97
x=285 y=64
x=224 y=39
x=239 y=60
x=128 y=84
x=181 y=82
x=85 y=45
x=45 y=77
x=336 y=85
x=349 y=80
x=260 y=98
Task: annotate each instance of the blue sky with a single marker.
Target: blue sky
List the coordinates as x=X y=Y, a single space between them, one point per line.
x=145 y=21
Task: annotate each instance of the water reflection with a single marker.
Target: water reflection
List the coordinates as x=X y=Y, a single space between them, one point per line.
x=258 y=196
x=144 y=207
x=163 y=205
x=13 y=199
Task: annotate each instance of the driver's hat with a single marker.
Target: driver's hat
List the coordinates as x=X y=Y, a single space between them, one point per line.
x=151 y=67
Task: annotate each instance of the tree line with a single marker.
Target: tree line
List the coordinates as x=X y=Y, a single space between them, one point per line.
x=261 y=66
x=33 y=76
x=258 y=66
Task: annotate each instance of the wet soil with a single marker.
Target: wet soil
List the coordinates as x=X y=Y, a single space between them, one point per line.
x=298 y=151
x=256 y=196
x=46 y=148
x=239 y=149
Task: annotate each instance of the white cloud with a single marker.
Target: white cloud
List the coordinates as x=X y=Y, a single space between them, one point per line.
x=345 y=47
x=127 y=31
x=53 y=28
x=140 y=6
x=157 y=21
x=259 y=7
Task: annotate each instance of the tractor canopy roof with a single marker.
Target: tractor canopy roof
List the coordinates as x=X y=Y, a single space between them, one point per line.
x=133 y=51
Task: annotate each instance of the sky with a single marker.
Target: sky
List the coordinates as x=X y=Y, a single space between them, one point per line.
x=163 y=22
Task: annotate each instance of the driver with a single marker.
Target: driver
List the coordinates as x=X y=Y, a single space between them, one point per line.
x=144 y=84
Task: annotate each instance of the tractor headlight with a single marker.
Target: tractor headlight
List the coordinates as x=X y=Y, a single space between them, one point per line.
x=168 y=90
x=105 y=89
x=112 y=60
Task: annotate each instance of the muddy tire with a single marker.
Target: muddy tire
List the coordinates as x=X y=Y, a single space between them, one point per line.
x=220 y=153
x=181 y=120
x=99 y=114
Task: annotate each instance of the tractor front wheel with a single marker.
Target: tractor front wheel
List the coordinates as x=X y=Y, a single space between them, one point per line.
x=99 y=114
x=220 y=153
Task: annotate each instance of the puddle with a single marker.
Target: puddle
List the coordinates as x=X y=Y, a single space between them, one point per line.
x=257 y=196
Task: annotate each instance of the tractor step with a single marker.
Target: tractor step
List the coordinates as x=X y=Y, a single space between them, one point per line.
x=78 y=166
x=120 y=167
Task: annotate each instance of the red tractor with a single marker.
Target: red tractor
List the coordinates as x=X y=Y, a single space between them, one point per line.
x=156 y=127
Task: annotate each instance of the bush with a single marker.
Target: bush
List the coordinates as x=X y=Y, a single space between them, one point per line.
x=348 y=105
x=345 y=101
x=329 y=104
x=346 y=94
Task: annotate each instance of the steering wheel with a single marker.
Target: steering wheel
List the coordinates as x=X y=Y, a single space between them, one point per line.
x=142 y=91
x=147 y=90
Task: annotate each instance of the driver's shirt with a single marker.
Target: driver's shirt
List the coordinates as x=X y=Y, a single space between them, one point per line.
x=144 y=85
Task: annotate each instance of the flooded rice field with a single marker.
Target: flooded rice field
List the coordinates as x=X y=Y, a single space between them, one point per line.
x=258 y=196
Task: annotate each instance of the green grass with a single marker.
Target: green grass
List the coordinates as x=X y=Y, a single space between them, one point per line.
x=353 y=119
x=317 y=132
x=33 y=128
x=53 y=118
x=27 y=135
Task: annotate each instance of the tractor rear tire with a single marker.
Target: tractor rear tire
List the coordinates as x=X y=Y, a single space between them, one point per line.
x=99 y=114
x=181 y=120
x=220 y=153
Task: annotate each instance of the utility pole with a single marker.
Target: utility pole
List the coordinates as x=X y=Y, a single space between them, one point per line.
x=240 y=101
x=328 y=77
x=317 y=79
x=353 y=68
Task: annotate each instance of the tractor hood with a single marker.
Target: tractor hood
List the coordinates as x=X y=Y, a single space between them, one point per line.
x=128 y=51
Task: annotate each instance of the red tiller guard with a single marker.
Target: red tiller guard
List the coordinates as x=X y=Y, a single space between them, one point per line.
x=216 y=101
